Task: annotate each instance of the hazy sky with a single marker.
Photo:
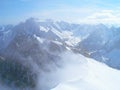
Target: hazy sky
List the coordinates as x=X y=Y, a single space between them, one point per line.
x=81 y=11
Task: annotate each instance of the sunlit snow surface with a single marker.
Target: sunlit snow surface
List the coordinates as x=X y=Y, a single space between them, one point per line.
x=87 y=74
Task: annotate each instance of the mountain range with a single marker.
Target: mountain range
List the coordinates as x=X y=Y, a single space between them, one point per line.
x=32 y=52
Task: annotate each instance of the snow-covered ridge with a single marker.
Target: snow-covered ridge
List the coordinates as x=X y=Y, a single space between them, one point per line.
x=92 y=75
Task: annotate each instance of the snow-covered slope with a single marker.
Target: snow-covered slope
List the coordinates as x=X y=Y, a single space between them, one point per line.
x=92 y=75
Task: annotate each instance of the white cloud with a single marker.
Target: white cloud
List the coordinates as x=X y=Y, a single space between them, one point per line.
x=66 y=14
x=80 y=15
x=105 y=17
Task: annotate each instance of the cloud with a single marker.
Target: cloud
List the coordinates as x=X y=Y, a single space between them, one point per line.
x=66 y=14
x=89 y=15
x=82 y=15
x=105 y=17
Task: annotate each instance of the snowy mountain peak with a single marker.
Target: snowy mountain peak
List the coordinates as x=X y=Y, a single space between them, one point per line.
x=46 y=55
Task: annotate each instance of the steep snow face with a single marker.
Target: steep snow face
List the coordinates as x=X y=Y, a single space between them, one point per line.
x=41 y=40
x=92 y=75
x=44 y=29
x=60 y=30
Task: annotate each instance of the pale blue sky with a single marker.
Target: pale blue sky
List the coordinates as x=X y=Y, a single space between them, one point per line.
x=13 y=11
